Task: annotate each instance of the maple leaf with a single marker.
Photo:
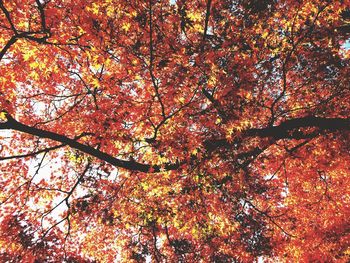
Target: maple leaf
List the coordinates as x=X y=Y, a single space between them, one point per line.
x=174 y=131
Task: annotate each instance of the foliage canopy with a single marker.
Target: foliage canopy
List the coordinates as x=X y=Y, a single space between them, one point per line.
x=174 y=131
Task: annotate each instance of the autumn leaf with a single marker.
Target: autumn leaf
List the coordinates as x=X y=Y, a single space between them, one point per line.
x=174 y=131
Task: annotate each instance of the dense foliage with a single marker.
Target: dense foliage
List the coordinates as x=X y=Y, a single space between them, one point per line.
x=174 y=131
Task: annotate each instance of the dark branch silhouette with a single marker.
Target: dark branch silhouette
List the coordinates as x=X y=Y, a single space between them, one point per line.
x=289 y=129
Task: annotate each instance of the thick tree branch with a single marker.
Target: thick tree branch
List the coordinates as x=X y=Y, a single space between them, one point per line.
x=127 y=164
x=288 y=129
x=44 y=150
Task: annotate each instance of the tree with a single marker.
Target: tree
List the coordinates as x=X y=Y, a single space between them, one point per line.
x=174 y=131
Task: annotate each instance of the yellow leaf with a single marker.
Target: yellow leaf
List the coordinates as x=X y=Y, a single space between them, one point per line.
x=34 y=65
x=126 y=26
x=81 y=30
x=3 y=115
x=212 y=80
x=181 y=100
x=195 y=16
x=265 y=34
x=194 y=152
x=94 y=9
x=28 y=54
